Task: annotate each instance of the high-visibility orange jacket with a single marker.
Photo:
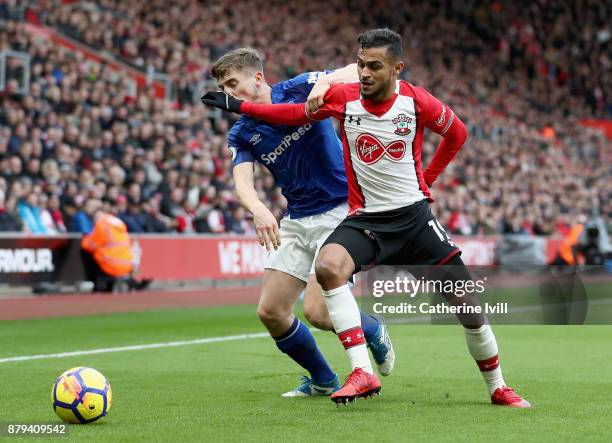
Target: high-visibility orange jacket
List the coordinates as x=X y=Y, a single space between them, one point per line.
x=570 y=240
x=109 y=244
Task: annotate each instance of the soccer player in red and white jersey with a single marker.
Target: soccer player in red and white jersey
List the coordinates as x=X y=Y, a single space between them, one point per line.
x=382 y=120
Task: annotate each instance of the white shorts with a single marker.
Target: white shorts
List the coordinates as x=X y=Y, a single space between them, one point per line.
x=301 y=240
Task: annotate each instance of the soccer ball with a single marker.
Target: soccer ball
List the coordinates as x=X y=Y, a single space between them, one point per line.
x=81 y=395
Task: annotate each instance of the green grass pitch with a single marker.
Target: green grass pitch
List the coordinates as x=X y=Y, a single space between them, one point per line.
x=230 y=391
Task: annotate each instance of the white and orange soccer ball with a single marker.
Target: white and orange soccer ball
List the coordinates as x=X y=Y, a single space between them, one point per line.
x=81 y=395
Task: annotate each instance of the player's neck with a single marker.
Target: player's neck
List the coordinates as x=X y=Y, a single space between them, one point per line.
x=265 y=95
x=385 y=95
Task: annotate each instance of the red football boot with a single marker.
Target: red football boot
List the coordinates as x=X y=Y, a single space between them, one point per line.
x=506 y=396
x=358 y=384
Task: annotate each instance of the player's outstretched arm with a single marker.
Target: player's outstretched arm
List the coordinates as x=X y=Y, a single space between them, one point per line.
x=265 y=222
x=343 y=75
x=282 y=113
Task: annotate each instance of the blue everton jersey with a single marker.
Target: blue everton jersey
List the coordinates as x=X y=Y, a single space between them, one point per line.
x=306 y=161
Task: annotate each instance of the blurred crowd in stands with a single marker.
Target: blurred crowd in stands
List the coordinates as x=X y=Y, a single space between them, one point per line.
x=519 y=74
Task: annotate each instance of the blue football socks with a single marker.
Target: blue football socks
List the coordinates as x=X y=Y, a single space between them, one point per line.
x=299 y=344
x=370 y=325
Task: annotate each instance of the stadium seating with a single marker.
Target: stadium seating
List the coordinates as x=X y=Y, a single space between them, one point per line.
x=83 y=132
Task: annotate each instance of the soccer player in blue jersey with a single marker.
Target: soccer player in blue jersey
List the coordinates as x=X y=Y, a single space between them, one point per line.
x=307 y=164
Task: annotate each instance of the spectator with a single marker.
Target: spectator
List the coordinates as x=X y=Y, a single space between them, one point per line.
x=83 y=221
x=8 y=223
x=30 y=215
x=519 y=82
x=53 y=206
x=185 y=218
x=237 y=222
x=45 y=214
x=153 y=220
x=68 y=211
x=129 y=214
x=215 y=218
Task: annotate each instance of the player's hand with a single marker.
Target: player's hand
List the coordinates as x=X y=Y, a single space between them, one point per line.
x=266 y=227
x=222 y=101
x=316 y=96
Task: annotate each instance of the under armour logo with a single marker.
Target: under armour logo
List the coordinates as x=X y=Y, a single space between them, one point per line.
x=352 y=118
x=346 y=340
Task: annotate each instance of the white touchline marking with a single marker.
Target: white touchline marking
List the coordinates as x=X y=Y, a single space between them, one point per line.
x=198 y=341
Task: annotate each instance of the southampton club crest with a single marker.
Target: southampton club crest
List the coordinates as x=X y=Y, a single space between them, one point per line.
x=401 y=122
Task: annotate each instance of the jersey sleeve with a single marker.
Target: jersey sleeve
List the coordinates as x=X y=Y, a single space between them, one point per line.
x=436 y=115
x=301 y=85
x=334 y=104
x=295 y=114
x=441 y=119
x=241 y=152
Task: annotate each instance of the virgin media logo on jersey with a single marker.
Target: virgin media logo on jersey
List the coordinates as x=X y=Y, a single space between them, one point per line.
x=288 y=139
x=370 y=149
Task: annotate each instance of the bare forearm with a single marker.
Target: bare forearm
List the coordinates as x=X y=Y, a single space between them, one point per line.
x=247 y=196
x=342 y=75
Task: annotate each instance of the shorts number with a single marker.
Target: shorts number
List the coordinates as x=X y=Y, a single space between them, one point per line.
x=440 y=232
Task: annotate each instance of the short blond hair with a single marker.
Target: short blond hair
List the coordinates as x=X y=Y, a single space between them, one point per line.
x=239 y=60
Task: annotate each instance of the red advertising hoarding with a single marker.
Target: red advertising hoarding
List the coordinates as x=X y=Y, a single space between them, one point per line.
x=199 y=257
x=28 y=259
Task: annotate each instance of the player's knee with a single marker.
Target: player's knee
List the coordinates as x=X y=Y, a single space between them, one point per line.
x=270 y=315
x=328 y=271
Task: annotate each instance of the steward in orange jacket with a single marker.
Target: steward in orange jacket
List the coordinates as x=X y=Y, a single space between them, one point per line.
x=109 y=244
x=567 y=253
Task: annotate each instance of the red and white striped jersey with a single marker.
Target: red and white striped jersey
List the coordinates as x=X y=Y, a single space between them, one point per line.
x=383 y=141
